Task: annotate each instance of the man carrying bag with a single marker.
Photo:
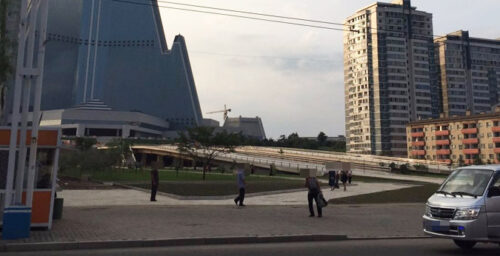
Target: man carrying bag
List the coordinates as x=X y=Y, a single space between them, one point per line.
x=314 y=188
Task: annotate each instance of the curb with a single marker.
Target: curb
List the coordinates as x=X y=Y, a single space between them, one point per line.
x=389 y=238
x=53 y=246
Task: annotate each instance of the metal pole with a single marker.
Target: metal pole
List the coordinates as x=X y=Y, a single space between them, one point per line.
x=26 y=99
x=15 y=106
x=21 y=158
x=44 y=8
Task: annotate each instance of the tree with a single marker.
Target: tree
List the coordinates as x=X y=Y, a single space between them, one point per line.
x=322 y=138
x=5 y=62
x=202 y=143
x=85 y=144
x=461 y=161
x=477 y=160
x=392 y=166
x=121 y=148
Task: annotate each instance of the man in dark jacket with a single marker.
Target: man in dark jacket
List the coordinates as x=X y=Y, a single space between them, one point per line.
x=314 y=188
x=155 y=180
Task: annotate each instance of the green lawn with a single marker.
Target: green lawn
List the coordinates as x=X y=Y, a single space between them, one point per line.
x=164 y=174
x=417 y=194
x=190 y=183
x=222 y=188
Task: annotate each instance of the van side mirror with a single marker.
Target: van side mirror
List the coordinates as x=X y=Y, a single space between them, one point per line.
x=493 y=191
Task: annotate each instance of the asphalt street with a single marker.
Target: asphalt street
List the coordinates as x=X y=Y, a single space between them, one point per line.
x=405 y=247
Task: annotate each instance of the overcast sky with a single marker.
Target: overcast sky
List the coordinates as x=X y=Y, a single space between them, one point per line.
x=291 y=76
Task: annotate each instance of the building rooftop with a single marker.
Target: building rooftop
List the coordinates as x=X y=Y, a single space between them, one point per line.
x=458 y=35
x=493 y=115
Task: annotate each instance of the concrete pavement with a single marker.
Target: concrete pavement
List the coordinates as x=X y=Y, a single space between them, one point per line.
x=127 y=223
x=117 y=197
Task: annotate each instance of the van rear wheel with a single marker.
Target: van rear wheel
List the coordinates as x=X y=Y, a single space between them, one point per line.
x=466 y=245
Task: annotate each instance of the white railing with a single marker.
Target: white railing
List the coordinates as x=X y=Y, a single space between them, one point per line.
x=295 y=164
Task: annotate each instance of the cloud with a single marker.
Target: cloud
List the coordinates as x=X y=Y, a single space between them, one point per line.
x=290 y=76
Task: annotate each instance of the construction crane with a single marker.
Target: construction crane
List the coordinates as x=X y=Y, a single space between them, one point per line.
x=221 y=111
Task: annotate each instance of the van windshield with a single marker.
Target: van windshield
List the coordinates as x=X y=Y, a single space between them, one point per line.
x=467 y=182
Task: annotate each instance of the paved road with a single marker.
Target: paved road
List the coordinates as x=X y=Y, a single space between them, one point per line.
x=408 y=247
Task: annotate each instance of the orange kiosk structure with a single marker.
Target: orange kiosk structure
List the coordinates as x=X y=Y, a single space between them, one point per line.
x=45 y=186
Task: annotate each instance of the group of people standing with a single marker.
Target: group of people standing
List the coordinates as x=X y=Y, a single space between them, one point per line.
x=343 y=176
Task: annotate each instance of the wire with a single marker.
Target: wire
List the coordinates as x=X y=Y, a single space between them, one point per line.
x=233 y=15
x=253 y=13
x=255 y=56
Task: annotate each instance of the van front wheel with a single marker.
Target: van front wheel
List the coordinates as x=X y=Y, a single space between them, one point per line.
x=466 y=245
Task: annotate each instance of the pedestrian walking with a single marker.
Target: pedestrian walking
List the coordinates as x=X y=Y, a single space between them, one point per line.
x=337 y=179
x=349 y=176
x=314 y=189
x=331 y=179
x=240 y=179
x=343 y=178
x=155 y=180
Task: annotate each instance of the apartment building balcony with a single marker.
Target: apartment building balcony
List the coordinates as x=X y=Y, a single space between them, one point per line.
x=442 y=142
x=469 y=131
x=443 y=152
x=496 y=139
x=469 y=161
x=495 y=128
x=447 y=161
x=418 y=143
x=471 y=141
x=471 y=151
x=442 y=133
x=418 y=152
x=496 y=150
x=417 y=134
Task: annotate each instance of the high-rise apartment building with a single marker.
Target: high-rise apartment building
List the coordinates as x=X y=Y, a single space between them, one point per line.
x=469 y=73
x=388 y=74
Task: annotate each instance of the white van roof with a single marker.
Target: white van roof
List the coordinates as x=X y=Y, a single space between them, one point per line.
x=494 y=167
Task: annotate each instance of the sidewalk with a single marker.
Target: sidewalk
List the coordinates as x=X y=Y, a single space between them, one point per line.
x=129 y=197
x=395 y=176
x=127 y=223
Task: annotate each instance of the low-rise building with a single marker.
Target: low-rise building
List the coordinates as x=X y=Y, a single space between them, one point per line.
x=248 y=126
x=466 y=139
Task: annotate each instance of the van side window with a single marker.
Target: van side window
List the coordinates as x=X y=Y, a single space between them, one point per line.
x=497 y=181
x=496 y=184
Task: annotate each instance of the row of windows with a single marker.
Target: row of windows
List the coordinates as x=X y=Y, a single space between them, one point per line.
x=105 y=43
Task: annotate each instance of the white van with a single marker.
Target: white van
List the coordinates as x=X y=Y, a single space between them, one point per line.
x=466 y=208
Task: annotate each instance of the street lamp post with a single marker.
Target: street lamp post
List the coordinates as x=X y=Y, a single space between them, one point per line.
x=33 y=19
